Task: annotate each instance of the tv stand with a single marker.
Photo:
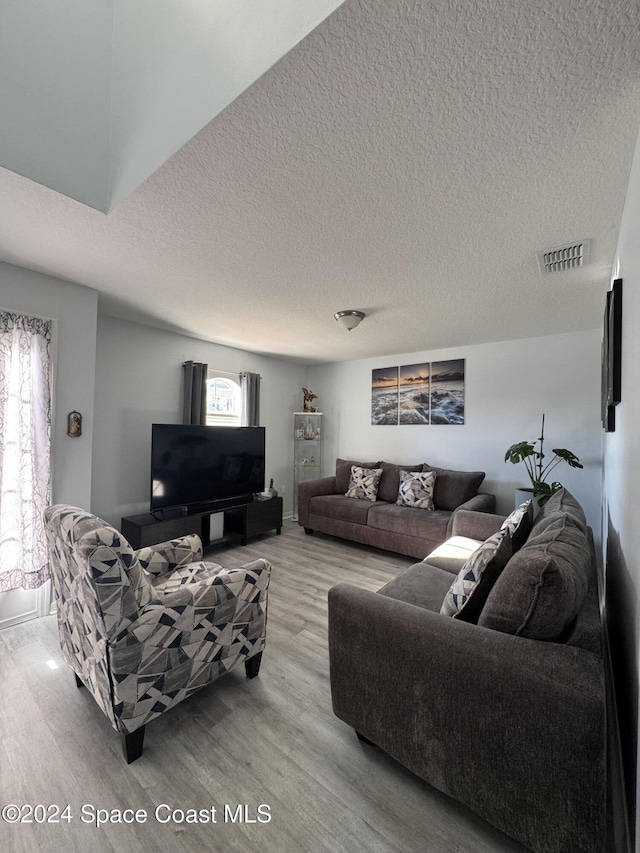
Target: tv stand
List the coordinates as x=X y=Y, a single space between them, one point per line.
x=246 y=519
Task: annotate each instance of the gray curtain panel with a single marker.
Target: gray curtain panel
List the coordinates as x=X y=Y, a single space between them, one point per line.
x=250 y=386
x=195 y=392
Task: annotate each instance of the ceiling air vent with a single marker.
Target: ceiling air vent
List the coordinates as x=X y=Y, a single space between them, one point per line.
x=566 y=258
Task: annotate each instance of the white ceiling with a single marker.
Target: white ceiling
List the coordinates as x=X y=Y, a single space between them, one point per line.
x=95 y=95
x=407 y=159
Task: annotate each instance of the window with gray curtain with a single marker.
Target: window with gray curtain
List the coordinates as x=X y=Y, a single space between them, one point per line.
x=25 y=449
x=195 y=409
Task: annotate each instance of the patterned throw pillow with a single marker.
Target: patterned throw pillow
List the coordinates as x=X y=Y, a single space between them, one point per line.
x=519 y=524
x=363 y=483
x=469 y=591
x=416 y=489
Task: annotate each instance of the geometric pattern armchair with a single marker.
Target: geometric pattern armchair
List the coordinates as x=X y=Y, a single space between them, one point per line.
x=143 y=630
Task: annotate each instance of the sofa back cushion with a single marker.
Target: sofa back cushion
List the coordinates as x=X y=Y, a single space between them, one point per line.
x=390 y=480
x=544 y=584
x=561 y=504
x=454 y=488
x=343 y=472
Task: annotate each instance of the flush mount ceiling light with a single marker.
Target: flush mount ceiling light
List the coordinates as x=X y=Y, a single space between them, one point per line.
x=349 y=319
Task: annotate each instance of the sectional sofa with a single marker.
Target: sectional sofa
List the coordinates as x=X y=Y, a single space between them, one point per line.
x=502 y=707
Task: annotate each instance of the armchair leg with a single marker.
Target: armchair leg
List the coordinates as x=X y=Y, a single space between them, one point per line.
x=252 y=666
x=79 y=683
x=132 y=745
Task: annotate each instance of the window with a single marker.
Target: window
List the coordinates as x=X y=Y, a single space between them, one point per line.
x=224 y=405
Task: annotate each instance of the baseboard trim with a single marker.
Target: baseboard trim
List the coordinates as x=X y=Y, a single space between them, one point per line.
x=19 y=619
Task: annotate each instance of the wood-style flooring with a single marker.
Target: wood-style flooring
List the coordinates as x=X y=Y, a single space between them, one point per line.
x=272 y=740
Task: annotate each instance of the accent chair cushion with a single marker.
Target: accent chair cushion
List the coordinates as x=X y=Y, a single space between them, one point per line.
x=472 y=585
x=543 y=586
x=416 y=489
x=454 y=488
x=363 y=484
x=343 y=472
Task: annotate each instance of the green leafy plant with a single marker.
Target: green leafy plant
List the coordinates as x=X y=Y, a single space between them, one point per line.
x=538 y=468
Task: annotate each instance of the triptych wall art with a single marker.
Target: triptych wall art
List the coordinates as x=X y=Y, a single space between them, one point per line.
x=428 y=393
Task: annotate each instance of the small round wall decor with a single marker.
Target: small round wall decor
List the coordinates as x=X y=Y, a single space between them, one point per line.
x=74 y=424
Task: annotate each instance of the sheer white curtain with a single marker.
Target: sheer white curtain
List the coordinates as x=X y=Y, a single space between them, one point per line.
x=25 y=449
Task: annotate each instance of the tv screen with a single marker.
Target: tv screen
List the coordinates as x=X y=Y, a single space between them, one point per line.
x=195 y=465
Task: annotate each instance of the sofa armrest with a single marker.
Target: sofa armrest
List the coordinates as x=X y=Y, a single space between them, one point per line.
x=475 y=525
x=167 y=556
x=513 y=728
x=478 y=503
x=308 y=489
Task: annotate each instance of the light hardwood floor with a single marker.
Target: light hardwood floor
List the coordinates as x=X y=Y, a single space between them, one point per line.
x=272 y=740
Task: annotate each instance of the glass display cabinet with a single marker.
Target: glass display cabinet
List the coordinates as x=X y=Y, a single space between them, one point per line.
x=307 y=454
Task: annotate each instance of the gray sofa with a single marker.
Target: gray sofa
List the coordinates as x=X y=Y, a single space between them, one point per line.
x=323 y=506
x=505 y=713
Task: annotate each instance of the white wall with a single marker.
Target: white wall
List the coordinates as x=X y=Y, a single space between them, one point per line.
x=75 y=310
x=139 y=382
x=622 y=496
x=508 y=386
x=55 y=79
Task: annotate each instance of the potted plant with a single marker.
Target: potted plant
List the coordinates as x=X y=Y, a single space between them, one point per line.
x=538 y=468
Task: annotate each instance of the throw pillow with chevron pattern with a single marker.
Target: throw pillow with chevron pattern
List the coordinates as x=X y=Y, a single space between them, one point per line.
x=363 y=483
x=473 y=583
x=416 y=489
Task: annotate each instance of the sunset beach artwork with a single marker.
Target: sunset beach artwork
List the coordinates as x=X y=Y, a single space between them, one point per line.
x=384 y=396
x=413 y=395
x=447 y=392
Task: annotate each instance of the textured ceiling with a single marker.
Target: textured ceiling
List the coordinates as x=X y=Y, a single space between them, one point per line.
x=406 y=159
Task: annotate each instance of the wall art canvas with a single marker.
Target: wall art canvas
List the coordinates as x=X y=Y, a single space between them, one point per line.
x=413 y=395
x=447 y=391
x=384 y=396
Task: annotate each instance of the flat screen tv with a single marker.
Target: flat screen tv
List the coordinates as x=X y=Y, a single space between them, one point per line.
x=201 y=466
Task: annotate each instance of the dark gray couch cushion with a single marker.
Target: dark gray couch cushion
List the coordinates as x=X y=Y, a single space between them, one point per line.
x=560 y=504
x=340 y=507
x=544 y=584
x=424 y=524
x=420 y=584
x=453 y=554
x=343 y=472
x=454 y=487
x=390 y=480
